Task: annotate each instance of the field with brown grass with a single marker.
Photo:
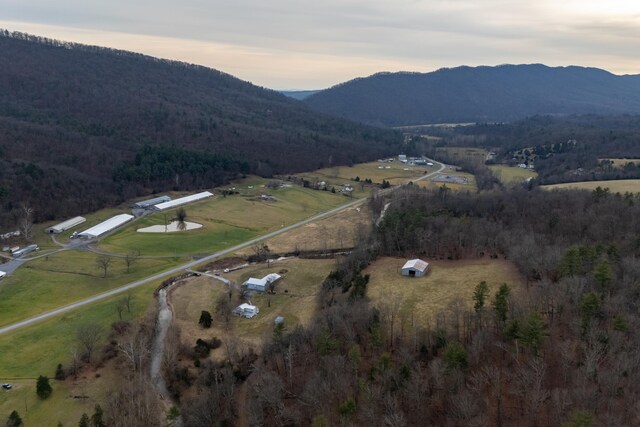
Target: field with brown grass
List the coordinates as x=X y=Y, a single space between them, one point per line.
x=620 y=163
x=295 y=300
x=471 y=186
x=424 y=297
x=619 y=186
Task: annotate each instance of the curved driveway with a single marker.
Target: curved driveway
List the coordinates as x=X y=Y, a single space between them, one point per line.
x=191 y=264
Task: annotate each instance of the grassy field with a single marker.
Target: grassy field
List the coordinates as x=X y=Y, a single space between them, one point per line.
x=474 y=154
x=336 y=232
x=375 y=171
x=36 y=350
x=48 y=283
x=620 y=186
x=512 y=175
x=619 y=163
x=445 y=281
x=226 y=221
x=301 y=281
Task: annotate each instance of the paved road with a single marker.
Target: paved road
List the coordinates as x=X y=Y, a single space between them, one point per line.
x=191 y=264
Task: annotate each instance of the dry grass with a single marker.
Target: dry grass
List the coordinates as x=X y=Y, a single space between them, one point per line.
x=301 y=281
x=395 y=174
x=619 y=186
x=336 y=232
x=445 y=282
x=620 y=163
x=512 y=175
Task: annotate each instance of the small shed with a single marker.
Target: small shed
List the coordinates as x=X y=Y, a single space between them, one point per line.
x=246 y=310
x=415 y=268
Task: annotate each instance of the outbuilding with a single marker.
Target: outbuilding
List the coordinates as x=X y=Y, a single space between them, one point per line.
x=105 y=226
x=246 y=310
x=182 y=201
x=145 y=204
x=64 y=226
x=415 y=268
x=262 y=285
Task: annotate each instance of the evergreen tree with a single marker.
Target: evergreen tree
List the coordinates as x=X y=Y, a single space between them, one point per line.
x=43 y=388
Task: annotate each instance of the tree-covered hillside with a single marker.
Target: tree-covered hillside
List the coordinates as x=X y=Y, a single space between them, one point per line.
x=82 y=127
x=479 y=94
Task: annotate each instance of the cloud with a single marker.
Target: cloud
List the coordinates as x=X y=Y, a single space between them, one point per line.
x=311 y=44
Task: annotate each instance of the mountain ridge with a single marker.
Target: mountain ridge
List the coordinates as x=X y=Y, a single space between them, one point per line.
x=79 y=126
x=477 y=94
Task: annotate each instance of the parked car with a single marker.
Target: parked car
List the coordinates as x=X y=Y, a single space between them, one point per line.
x=7 y=386
x=2 y=274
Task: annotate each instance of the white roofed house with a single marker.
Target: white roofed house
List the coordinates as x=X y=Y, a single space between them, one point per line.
x=246 y=310
x=415 y=268
x=262 y=285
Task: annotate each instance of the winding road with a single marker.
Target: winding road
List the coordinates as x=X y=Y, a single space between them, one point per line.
x=188 y=265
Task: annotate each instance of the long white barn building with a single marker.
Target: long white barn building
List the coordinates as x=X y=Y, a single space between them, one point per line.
x=64 y=226
x=183 y=200
x=105 y=226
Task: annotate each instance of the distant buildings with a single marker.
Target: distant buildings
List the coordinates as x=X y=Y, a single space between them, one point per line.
x=146 y=204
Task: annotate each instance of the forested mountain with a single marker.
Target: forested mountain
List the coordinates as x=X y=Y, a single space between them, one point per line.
x=479 y=94
x=298 y=94
x=82 y=127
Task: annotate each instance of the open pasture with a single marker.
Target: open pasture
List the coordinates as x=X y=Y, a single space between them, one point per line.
x=619 y=186
x=512 y=175
x=226 y=221
x=63 y=278
x=446 y=281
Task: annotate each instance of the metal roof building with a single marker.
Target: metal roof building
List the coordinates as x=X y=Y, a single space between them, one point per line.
x=182 y=201
x=64 y=226
x=415 y=268
x=150 y=202
x=105 y=226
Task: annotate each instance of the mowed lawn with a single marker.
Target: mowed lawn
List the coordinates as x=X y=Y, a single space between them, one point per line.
x=36 y=350
x=226 y=221
x=445 y=281
x=63 y=278
x=295 y=300
x=394 y=172
x=511 y=174
x=619 y=186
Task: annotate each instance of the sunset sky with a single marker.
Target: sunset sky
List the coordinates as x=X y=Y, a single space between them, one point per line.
x=301 y=44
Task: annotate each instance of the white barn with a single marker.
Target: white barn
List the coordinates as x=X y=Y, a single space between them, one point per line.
x=144 y=204
x=415 y=268
x=105 y=226
x=64 y=226
x=262 y=285
x=182 y=200
x=246 y=310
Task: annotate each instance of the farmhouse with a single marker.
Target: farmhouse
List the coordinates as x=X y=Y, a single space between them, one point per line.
x=146 y=204
x=105 y=226
x=246 y=310
x=64 y=226
x=182 y=201
x=262 y=285
x=415 y=268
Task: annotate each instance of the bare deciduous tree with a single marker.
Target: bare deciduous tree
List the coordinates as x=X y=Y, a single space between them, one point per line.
x=103 y=262
x=88 y=336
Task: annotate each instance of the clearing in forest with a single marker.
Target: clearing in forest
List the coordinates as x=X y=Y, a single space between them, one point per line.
x=446 y=281
x=619 y=186
x=512 y=174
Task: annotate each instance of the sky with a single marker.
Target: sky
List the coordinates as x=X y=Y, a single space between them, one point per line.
x=303 y=44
